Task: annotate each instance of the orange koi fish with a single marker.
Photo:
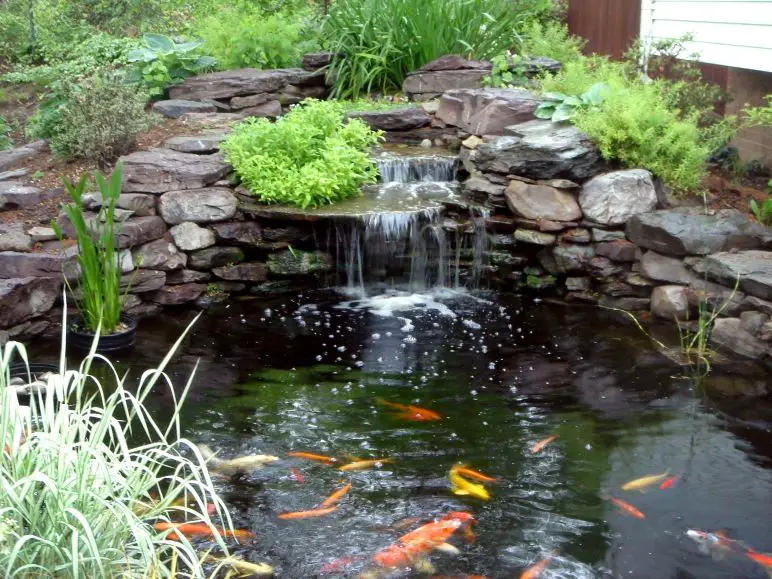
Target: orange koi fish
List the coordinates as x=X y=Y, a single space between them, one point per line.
x=295 y=475
x=627 y=508
x=463 y=470
x=335 y=497
x=668 y=482
x=308 y=514
x=199 y=530
x=337 y=565
x=542 y=443
x=423 y=540
x=760 y=558
x=536 y=570
x=311 y=456
x=363 y=464
x=415 y=413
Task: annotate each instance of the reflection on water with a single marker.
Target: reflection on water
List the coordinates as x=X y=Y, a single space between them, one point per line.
x=305 y=374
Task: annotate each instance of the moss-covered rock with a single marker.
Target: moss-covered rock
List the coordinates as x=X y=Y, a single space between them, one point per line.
x=295 y=262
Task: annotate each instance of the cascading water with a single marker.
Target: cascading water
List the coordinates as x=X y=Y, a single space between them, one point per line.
x=405 y=239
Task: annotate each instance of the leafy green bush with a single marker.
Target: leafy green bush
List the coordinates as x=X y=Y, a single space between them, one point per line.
x=162 y=62
x=87 y=469
x=5 y=139
x=379 y=41
x=97 y=119
x=551 y=39
x=249 y=37
x=558 y=107
x=307 y=158
x=763 y=213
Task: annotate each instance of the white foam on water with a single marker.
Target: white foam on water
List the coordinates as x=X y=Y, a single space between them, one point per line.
x=388 y=304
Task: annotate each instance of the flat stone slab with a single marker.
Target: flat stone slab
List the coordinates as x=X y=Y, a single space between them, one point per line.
x=175 y=108
x=667 y=269
x=540 y=150
x=25 y=298
x=689 y=231
x=535 y=237
x=139 y=230
x=198 y=145
x=486 y=111
x=161 y=170
x=753 y=268
x=436 y=82
x=729 y=334
x=10 y=159
x=17 y=195
x=240 y=82
x=14 y=264
x=403 y=119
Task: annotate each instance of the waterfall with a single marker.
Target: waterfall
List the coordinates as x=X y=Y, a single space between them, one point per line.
x=421 y=167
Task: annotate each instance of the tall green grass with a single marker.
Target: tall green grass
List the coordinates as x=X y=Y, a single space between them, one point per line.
x=379 y=41
x=86 y=471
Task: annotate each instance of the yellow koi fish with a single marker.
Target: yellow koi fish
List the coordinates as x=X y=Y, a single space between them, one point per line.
x=235 y=466
x=364 y=464
x=641 y=483
x=462 y=487
x=245 y=568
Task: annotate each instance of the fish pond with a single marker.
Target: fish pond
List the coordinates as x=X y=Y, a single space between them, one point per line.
x=308 y=373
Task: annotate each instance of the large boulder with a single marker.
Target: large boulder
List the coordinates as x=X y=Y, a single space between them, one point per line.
x=160 y=255
x=690 y=231
x=161 y=170
x=540 y=150
x=486 y=111
x=197 y=205
x=189 y=237
x=667 y=269
x=175 y=108
x=542 y=202
x=753 y=268
x=613 y=198
x=25 y=298
x=14 y=195
x=240 y=82
x=670 y=301
x=403 y=119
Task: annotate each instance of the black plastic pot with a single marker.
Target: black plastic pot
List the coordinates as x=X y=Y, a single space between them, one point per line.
x=110 y=343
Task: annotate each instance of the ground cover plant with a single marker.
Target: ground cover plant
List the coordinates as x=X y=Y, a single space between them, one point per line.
x=86 y=471
x=307 y=158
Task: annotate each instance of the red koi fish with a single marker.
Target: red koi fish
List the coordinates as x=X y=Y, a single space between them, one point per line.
x=337 y=565
x=296 y=476
x=760 y=558
x=414 y=413
x=539 y=446
x=199 y=530
x=627 y=508
x=311 y=456
x=422 y=541
x=668 y=482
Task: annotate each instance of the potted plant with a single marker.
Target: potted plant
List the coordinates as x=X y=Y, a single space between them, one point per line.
x=98 y=295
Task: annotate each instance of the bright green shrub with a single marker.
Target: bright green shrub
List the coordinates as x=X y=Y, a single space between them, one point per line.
x=307 y=158
x=380 y=41
x=550 y=39
x=249 y=37
x=5 y=139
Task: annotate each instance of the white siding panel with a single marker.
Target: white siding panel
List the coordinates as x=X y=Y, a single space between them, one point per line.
x=718 y=12
x=749 y=35
x=737 y=56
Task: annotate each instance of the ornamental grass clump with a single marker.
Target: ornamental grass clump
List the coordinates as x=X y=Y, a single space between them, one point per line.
x=98 y=295
x=86 y=471
x=307 y=158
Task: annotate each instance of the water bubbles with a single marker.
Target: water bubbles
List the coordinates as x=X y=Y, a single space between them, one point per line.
x=376 y=336
x=588 y=446
x=341 y=348
x=409 y=339
x=318 y=358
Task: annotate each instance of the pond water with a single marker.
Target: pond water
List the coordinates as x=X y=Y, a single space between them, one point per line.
x=306 y=373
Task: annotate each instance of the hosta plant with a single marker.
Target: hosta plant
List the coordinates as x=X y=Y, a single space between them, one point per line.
x=559 y=107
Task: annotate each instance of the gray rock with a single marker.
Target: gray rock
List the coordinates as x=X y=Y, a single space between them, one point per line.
x=250 y=101
x=486 y=111
x=663 y=268
x=242 y=272
x=186 y=276
x=433 y=83
x=752 y=322
x=613 y=198
x=291 y=263
x=717 y=297
x=206 y=259
x=482 y=185
x=728 y=334
x=617 y=288
x=628 y=304
x=754 y=303
x=317 y=60
x=17 y=195
x=271 y=109
x=534 y=237
x=8 y=175
x=17 y=156
x=540 y=150
x=670 y=301
x=431 y=107
x=638 y=280
x=393 y=119
x=14 y=264
x=142 y=205
x=541 y=202
x=200 y=145
x=600 y=235
x=145 y=310
x=139 y=230
x=173 y=295
x=25 y=298
x=161 y=255
x=197 y=205
x=619 y=250
x=765 y=334
x=603 y=268
x=754 y=269
x=241 y=82
x=454 y=62
x=578 y=284
x=575 y=235
x=39 y=234
x=119 y=215
x=472 y=142
x=130 y=301
x=125 y=260
x=161 y=170
x=572 y=258
x=175 y=108
x=426 y=144
x=13 y=238
x=189 y=237
x=689 y=231
x=28 y=330
x=143 y=280
x=560 y=184
x=248 y=233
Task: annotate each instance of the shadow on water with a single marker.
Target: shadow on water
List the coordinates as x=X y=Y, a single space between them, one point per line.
x=305 y=374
